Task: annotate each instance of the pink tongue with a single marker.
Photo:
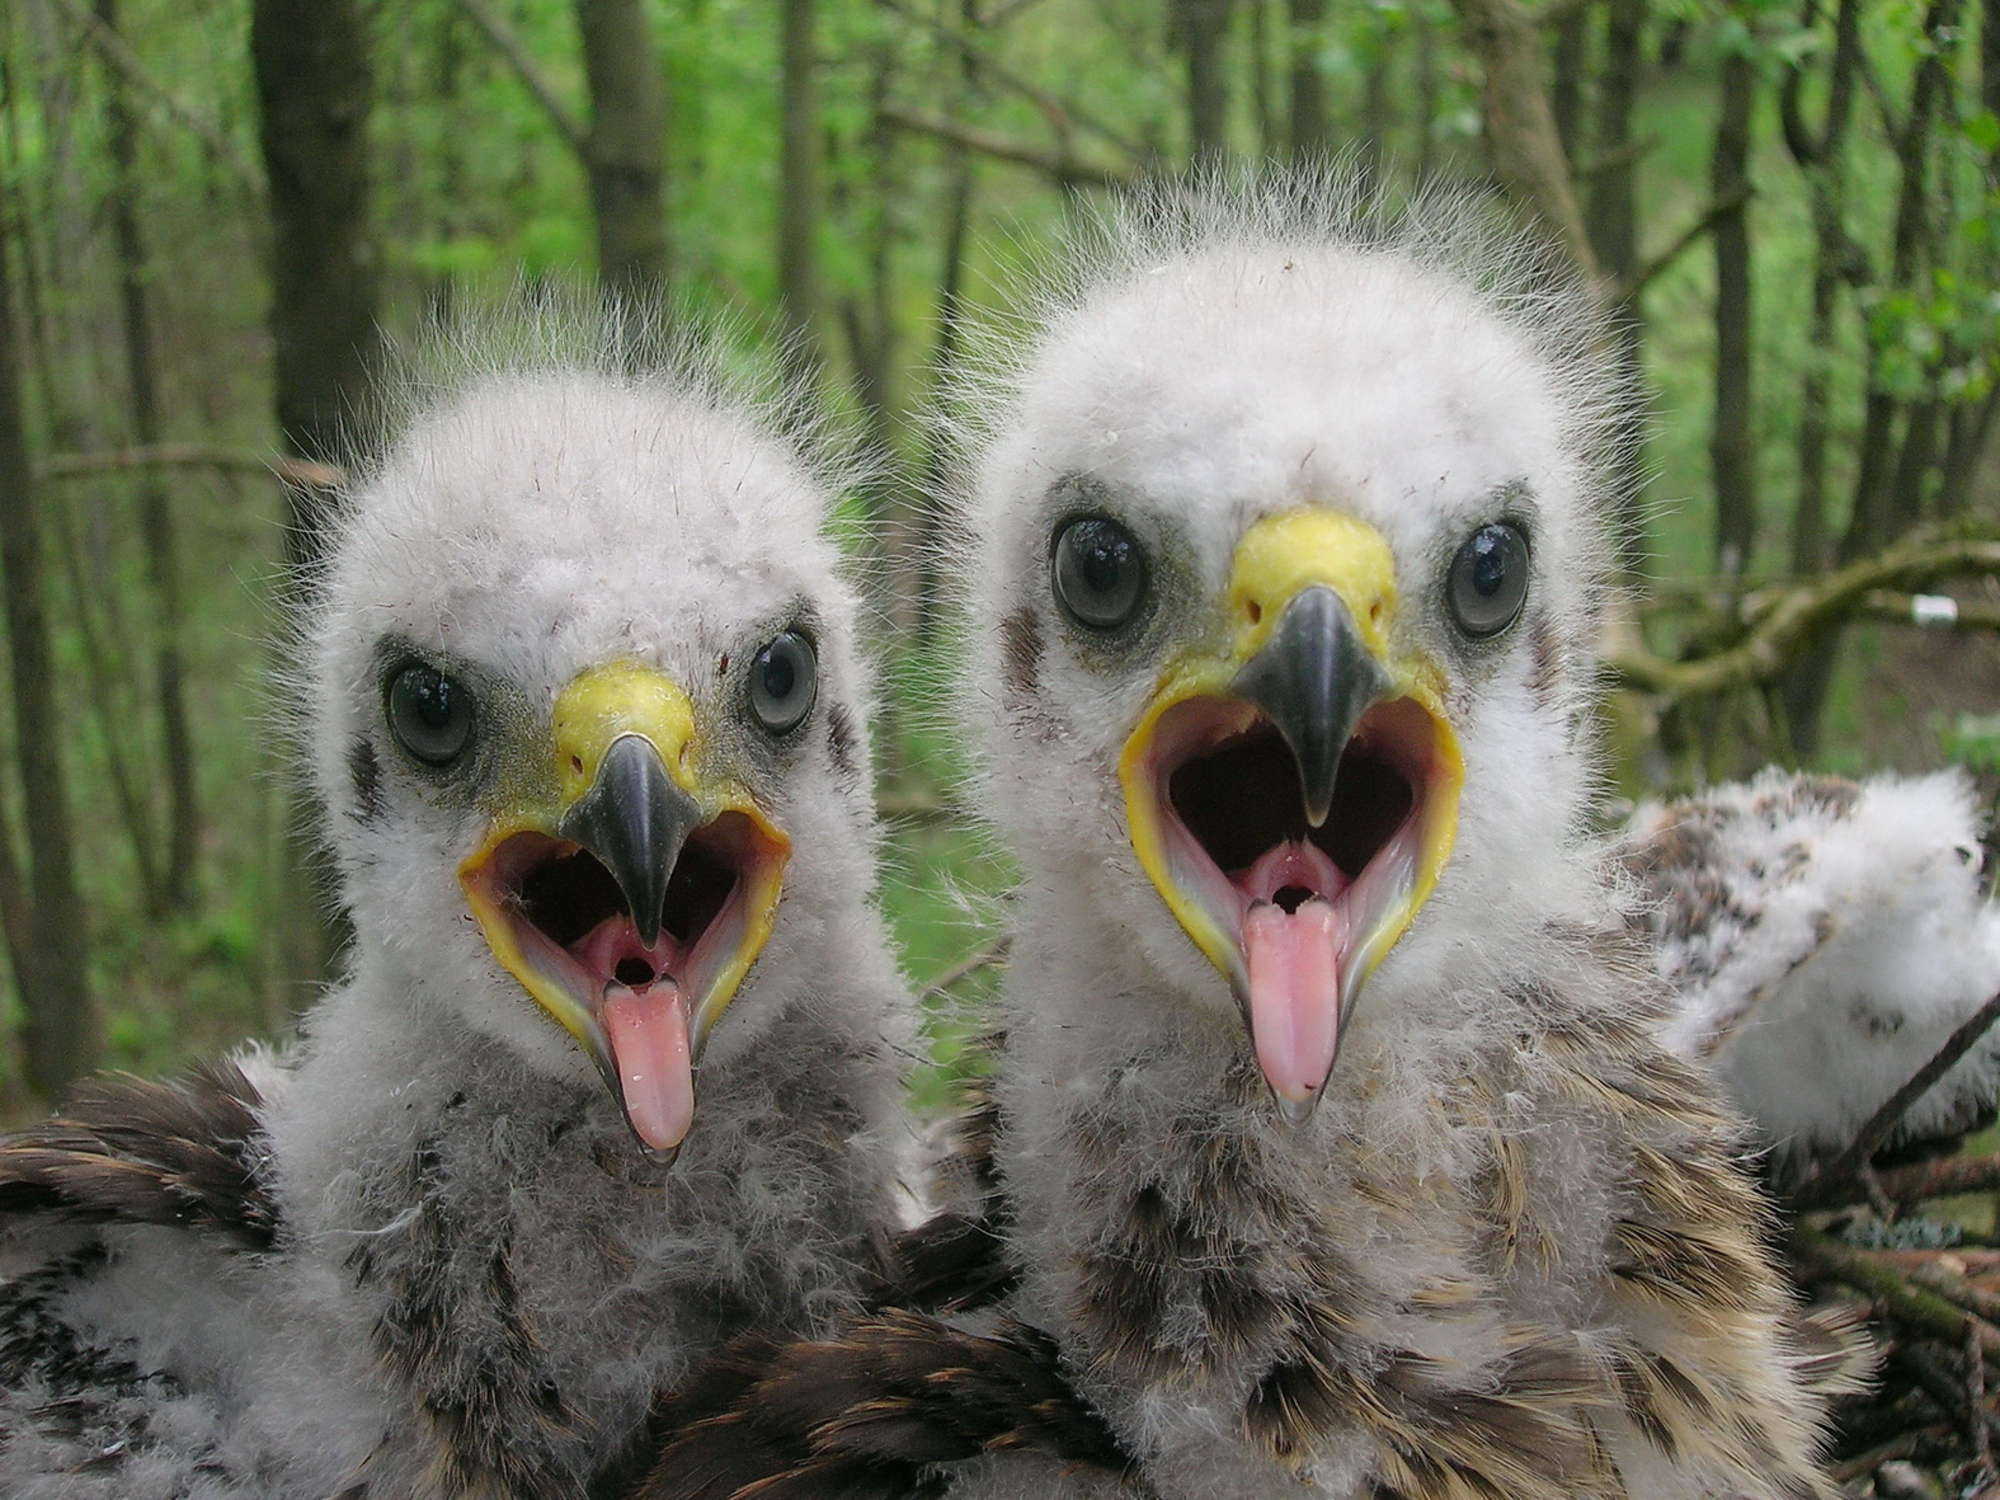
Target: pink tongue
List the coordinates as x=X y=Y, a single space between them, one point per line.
x=649 y=1047
x=1294 y=993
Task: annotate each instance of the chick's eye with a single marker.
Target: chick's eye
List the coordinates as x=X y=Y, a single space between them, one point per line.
x=1488 y=583
x=784 y=679
x=1099 y=573
x=430 y=714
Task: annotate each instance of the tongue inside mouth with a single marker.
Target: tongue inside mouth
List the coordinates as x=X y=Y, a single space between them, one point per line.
x=1294 y=937
x=648 y=1033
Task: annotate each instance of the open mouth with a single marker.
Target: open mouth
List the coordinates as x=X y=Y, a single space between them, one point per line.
x=1297 y=915
x=559 y=921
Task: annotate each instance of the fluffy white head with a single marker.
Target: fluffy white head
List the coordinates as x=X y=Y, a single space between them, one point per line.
x=543 y=513
x=1204 y=362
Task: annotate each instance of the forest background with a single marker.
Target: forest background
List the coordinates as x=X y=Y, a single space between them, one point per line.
x=215 y=212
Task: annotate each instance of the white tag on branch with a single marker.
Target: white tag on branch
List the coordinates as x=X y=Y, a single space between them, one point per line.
x=1933 y=610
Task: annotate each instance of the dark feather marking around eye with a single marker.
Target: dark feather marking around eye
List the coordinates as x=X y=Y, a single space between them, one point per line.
x=1547 y=676
x=1021 y=651
x=365 y=771
x=840 y=740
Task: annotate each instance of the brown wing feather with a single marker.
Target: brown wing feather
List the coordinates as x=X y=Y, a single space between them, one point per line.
x=126 y=1150
x=866 y=1413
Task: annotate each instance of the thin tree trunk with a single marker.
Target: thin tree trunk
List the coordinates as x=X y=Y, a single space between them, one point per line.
x=107 y=709
x=1613 y=226
x=1310 y=136
x=1572 y=49
x=625 y=150
x=798 y=186
x=60 y=1032
x=1375 y=103
x=1200 y=28
x=1732 y=446
x=314 y=91
x=156 y=521
x=1260 y=77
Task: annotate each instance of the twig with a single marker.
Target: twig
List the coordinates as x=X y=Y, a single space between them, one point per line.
x=1946 y=1386
x=532 y=78
x=1643 y=275
x=1903 y=1445
x=1059 y=112
x=1910 y=1304
x=1795 y=615
x=1910 y=609
x=1978 y=1420
x=1933 y=1277
x=1885 y=1119
x=1061 y=165
x=1932 y=1179
x=992 y=953
x=114 y=49
x=300 y=471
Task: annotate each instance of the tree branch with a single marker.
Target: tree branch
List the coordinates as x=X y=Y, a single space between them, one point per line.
x=1058 y=164
x=116 y=52
x=509 y=46
x=1060 y=113
x=1793 y=616
x=298 y=471
x=1643 y=274
x=1871 y=1135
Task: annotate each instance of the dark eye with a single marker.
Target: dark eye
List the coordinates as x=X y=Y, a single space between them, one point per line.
x=784 y=679
x=1099 y=573
x=1489 y=580
x=430 y=714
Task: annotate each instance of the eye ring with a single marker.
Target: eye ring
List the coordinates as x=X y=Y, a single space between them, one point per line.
x=1098 y=573
x=1487 y=584
x=430 y=713
x=784 y=681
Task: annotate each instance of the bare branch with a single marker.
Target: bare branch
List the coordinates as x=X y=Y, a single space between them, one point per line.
x=114 y=49
x=1794 y=616
x=298 y=471
x=1643 y=274
x=1058 y=164
x=1876 y=1130
x=1060 y=113
x=1915 y=1305
x=985 y=957
x=510 y=48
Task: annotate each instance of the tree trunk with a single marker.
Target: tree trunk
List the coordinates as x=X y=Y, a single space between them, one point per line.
x=314 y=90
x=1572 y=50
x=625 y=151
x=1520 y=129
x=1311 y=135
x=1613 y=226
x=156 y=520
x=1732 y=446
x=798 y=187
x=60 y=1026
x=1200 y=28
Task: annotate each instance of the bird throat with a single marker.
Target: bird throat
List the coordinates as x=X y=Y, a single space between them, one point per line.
x=1294 y=939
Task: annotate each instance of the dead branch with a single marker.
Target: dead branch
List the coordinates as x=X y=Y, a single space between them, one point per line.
x=116 y=52
x=1876 y=1130
x=1929 y=611
x=302 y=472
x=1914 y=1305
x=1652 y=268
x=1945 y=1178
x=1066 y=169
x=1060 y=113
x=517 y=57
x=993 y=953
x=1792 y=617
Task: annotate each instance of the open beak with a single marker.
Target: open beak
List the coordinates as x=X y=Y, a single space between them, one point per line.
x=629 y=893
x=1292 y=788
